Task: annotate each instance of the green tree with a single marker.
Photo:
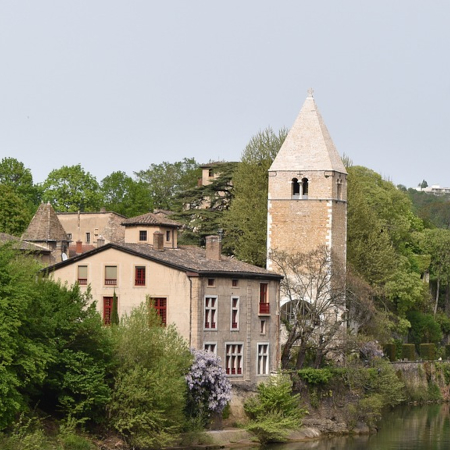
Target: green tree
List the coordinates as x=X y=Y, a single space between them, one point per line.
x=166 y=180
x=246 y=221
x=124 y=195
x=150 y=389
x=205 y=206
x=14 y=212
x=115 y=311
x=13 y=173
x=72 y=189
x=53 y=349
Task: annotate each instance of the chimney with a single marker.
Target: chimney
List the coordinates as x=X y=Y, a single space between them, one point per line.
x=213 y=248
x=100 y=241
x=79 y=248
x=158 y=241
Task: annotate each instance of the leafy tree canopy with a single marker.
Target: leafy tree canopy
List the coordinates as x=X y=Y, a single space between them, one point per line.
x=246 y=221
x=166 y=180
x=72 y=189
x=14 y=212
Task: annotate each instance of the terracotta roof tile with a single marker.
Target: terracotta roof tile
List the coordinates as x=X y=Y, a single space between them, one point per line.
x=45 y=226
x=151 y=219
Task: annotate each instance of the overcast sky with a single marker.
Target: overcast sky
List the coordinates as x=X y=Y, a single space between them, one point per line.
x=119 y=85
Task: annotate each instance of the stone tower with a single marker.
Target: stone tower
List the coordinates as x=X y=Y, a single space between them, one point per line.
x=307 y=201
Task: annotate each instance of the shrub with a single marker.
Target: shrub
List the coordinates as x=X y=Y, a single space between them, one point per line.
x=427 y=351
x=409 y=352
x=209 y=389
x=149 y=393
x=274 y=410
x=391 y=351
x=315 y=376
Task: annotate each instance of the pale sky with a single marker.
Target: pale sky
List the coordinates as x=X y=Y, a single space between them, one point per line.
x=119 y=85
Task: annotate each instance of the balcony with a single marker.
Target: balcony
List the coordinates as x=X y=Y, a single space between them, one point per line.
x=264 y=308
x=82 y=281
x=110 y=281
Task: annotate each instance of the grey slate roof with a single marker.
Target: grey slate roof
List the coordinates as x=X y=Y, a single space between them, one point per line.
x=158 y=218
x=45 y=226
x=185 y=258
x=308 y=145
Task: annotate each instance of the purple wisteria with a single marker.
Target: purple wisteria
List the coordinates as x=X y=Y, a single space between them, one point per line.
x=208 y=384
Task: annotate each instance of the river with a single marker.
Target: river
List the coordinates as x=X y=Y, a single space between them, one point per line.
x=404 y=428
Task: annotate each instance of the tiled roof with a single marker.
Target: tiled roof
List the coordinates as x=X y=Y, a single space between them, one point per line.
x=185 y=258
x=308 y=145
x=22 y=245
x=45 y=226
x=151 y=219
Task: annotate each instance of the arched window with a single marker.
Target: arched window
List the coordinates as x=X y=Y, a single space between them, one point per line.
x=305 y=187
x=295 y=187
x=339 y=189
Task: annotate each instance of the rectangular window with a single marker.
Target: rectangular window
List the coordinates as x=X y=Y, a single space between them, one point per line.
x=110 y=275
x=139 y=279
x=210 y=347
x=263 y=359
x=160 y=304
x=168 y=236
x=211 y=282
x=82 y=275
x=88 y=238
x=233 y=359
x=234 y=283
x=264 y=307
x=69 y=236
x=143 y=235
x=210 y=313
x=107 y=309
x=234 y=313
x=262 y=328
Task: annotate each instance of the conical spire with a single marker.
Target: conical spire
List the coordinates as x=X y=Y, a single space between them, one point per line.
x=308 y=145
x=45 y=226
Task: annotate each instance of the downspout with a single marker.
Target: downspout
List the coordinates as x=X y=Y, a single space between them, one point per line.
x=190 y=311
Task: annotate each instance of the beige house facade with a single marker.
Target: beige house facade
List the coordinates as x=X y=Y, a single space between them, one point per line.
x=217 y=303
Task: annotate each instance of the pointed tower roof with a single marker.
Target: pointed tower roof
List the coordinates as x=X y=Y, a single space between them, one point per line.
x=308 y=145
x=45 y=226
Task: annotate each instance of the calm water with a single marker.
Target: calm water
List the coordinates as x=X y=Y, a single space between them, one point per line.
x=405 y=428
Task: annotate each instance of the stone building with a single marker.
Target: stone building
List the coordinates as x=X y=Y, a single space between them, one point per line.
x=307 y=199
x=217 y=303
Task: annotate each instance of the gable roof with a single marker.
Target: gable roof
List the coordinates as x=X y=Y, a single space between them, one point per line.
x=308 y=145
x=45 y=226
x=184 y=258
x=158 y=218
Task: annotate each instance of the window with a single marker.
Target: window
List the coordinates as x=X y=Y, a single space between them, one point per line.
x=160 y=304
x=210 y=347
x=211 y=282
x=305 y=187
x=143 y=235
x=295 y=187
x=167 y=236
x=234 y=313
x=234 y=283
x=210 y=313
x=263 y=359
x=111 y=275
x=82 y=275
x=262 y=328
x=264 y=306
x=233 y=359
x=210 y=173
x=107 y=309
x=88 y=238
x=339 y=189
x=69 y=236
x=139 y=279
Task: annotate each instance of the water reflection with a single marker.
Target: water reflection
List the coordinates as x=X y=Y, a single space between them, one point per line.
x=405 y=428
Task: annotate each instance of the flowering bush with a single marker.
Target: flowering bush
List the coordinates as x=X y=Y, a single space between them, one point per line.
x=209 y=389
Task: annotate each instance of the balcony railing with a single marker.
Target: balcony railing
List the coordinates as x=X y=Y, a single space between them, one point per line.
x=82 y=281
x=110 y=281
x=264 y=308
x=139 y=282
